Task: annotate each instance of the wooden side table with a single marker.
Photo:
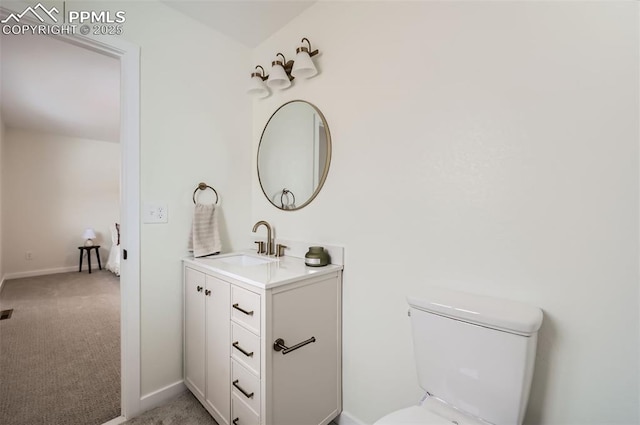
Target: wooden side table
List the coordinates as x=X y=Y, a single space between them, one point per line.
x=88 y=249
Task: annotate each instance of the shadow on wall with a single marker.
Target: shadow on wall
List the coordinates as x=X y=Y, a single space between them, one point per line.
x=541 y=375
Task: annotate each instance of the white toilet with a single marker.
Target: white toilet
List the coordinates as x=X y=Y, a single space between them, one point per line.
x=474 y=356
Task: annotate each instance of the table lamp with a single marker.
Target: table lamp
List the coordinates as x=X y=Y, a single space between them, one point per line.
x=88 y=235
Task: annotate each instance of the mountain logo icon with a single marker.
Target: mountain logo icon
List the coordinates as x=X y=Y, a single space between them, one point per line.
x=34 y=11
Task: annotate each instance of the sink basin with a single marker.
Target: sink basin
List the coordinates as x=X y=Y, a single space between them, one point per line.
x=246 y=260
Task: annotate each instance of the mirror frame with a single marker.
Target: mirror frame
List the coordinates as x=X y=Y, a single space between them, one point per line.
x=325 y=171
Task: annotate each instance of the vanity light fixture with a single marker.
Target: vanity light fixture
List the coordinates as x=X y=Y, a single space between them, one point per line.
x=280 y=76
x=303 y=66
x=283 y=71
x=257 y=86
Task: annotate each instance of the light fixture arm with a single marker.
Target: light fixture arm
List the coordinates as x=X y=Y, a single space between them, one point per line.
x=259 y=74
x=287 y=66
x=311 y=53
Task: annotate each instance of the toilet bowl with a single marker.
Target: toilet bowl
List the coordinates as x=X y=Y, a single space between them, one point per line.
x=431 y=412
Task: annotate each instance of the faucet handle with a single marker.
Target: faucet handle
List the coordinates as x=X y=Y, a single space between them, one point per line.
x=261 y=249
x=280 y=250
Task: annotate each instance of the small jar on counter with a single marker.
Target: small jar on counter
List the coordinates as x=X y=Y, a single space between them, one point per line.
x=316 y=257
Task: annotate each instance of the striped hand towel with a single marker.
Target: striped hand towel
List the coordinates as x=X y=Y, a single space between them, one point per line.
x=204 y=237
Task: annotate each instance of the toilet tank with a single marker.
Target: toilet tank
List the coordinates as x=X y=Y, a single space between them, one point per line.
x=476 y=353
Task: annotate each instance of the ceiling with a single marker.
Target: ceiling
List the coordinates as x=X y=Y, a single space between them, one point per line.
x=249 y=22
x=54 y=87
x=50 y=86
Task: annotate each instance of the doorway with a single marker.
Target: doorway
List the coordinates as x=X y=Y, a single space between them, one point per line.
x=128 y=56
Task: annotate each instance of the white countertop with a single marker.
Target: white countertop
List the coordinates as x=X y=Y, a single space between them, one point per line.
x=283 y=270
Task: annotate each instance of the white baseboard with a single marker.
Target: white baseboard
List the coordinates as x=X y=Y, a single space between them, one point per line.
x=346 y=418
x=169 y=392
x=161 y=396
x=116 y=421
x=41 y=272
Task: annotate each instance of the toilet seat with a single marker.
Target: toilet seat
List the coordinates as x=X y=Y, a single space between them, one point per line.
x=431 y=412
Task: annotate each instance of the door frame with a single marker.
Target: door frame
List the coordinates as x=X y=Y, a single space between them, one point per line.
x=128 y=55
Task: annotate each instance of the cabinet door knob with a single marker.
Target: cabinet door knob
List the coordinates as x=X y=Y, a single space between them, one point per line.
x=207 y=292
x=199 y=289
x=235 y=421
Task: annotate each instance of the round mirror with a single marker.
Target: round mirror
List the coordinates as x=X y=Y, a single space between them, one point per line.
x=294 y=155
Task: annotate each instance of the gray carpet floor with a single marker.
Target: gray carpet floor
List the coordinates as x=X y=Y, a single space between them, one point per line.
x=60 y=350
x=184 y=410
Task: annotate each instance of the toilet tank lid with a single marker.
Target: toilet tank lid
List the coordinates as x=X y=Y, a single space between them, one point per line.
x=496 y=313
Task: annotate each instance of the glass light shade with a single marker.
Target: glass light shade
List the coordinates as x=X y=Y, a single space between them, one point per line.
x=303 y=66
x=89 y=234
x=257 y=87
x=278 y=78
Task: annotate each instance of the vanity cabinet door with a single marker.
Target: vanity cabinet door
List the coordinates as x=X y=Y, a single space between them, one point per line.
x=218 y=314
x=194 y=330
x=306 y=382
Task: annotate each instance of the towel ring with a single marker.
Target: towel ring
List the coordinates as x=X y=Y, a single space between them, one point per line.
x=286 y=192
x=204 y=186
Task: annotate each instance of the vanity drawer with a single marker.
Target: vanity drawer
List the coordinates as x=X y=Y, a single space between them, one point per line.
x=245 y=348
x=245 y=308
x=245 y=385
x=241 y=414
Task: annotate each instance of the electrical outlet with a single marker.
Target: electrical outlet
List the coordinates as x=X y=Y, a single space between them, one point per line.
x=156 y=213
x=28 y=255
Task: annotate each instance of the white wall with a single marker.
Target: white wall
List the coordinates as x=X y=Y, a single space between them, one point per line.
x=483 y=146
x=54 y=188
x=195 y=126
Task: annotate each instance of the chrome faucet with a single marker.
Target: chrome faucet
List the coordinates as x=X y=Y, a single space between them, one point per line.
x=269 y=240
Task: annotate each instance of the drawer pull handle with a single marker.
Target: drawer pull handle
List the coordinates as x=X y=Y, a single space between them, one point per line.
x=279 y=344
x=248 y=313
x=235 y=421
x=246 y=394
x=237 y=347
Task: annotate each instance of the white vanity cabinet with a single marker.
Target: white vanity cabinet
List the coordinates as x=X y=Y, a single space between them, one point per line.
x=233 y=363
x=206 y=335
